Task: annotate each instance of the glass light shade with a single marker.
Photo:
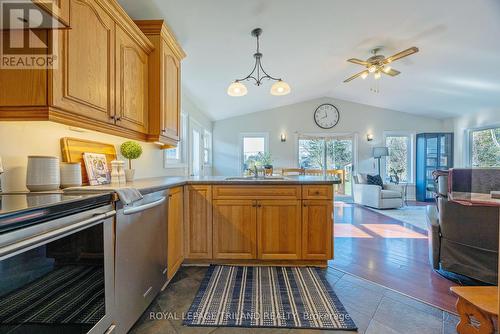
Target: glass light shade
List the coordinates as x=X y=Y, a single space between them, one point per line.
x=387 y=69
x=372 y=69
x=364 y=75
x=379 y=152
x=237 y=89
x=377 y=75
x=280 y=88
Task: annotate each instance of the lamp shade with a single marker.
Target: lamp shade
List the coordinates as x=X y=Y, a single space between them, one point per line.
x=280 y=88
x=379 y=152
x=237 y=89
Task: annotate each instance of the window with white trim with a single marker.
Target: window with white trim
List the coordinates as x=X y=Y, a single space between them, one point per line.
x=207 y=148
x=254 y=147
x=484 y=147
x=398 y=165
x=176 y=157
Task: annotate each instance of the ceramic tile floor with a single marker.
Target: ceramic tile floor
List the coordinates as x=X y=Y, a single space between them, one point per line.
x=375 y=309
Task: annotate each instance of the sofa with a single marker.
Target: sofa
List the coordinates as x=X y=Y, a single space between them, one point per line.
x=390 y=196
x=463 y=239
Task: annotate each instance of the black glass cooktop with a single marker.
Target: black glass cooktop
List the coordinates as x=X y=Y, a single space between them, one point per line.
x=20 y=210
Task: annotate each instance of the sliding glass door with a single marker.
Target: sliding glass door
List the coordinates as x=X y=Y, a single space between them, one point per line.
x=332 y=155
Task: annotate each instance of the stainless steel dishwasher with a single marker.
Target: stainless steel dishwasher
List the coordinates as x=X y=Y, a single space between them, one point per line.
x=141 y=256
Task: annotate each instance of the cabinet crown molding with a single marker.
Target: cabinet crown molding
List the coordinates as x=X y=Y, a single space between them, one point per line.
x=160 y=27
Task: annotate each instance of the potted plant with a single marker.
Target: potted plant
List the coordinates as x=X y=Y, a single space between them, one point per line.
x=131 y=151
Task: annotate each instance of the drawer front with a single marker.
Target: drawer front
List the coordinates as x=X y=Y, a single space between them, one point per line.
x=317 y=192
x=257 y=192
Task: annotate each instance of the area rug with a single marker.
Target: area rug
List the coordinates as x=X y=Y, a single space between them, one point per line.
x=412 y=215
x=274 y=297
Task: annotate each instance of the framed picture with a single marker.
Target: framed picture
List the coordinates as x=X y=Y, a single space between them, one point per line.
x=97 y=168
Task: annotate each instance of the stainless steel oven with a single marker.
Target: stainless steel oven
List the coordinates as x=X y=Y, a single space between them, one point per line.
x=58 y=276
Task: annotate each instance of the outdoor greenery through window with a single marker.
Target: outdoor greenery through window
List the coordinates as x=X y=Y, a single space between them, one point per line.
x=327 y=154
x=485 y=147
x=398 y=162
x=254 y=152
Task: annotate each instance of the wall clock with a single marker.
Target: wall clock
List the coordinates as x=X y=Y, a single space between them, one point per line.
x=326 y=116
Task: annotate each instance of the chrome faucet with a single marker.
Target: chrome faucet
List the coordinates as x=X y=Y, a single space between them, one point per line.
x=254 y=171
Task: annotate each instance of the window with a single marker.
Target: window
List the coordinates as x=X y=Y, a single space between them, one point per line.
x=484 y=147
x=254 y=150
x=176 y=157
x=207 y=148
x=398 y=165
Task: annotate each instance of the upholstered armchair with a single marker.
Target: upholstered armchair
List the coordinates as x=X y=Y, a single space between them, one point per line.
x=390 y=196
x=464 y=239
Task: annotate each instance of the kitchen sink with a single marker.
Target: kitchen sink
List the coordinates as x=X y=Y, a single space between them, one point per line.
x=253 y=178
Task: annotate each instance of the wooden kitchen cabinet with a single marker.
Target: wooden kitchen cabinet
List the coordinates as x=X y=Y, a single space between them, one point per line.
x=279 y=230
x=234 y=229
x=100 y=81
x=58 y=9
x=164 y=82
x=131 y=84
x=198 y=221
x=175 y=248
x=317 y=229
x=83 y=83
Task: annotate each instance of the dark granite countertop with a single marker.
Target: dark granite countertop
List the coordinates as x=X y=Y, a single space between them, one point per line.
x=150 y=185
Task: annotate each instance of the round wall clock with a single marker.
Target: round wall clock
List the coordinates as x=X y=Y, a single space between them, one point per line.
x=326 y=116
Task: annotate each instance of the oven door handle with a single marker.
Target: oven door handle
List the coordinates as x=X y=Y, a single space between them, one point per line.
x=140 y=208
x=54 y=235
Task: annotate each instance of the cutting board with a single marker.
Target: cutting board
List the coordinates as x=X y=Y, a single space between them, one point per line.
x=72 y=150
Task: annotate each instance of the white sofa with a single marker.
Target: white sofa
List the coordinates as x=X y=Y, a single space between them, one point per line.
x=390 y=196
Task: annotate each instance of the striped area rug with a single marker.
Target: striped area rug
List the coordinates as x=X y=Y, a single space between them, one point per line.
x=282 y=297
x=68 y=295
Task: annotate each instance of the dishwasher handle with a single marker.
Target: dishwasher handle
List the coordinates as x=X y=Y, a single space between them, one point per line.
x=144 y=207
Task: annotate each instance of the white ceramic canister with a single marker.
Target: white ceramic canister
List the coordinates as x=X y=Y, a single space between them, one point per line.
x=43 y=173
x=71 y=174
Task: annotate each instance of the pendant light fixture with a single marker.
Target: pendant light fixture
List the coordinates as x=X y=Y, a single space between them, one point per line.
x=258 y=74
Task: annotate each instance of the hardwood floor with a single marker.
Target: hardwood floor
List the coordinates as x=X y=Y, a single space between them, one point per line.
x=388 y=252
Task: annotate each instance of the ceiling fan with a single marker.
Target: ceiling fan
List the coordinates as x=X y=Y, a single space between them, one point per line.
x=378 y=64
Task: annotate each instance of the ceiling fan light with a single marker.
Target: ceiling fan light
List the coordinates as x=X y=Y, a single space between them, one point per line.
x=387 y=69
x=372 y=69
x=364 y=75
x=377 y=75
x=280 y=88
x=237 y=89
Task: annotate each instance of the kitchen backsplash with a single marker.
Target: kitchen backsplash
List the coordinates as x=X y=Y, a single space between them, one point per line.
x=20 y=139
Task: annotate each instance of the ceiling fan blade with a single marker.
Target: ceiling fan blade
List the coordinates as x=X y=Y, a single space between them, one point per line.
x=358 y=61
x=401 y=54
x=392 y=72
x=355 y=76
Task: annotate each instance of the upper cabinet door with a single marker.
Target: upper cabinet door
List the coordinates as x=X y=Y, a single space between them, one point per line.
x=132 y=84
x=84 y=81
x=279 y=230
x=171 y=94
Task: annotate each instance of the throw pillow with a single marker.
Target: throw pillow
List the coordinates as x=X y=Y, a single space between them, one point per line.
x=375 y=179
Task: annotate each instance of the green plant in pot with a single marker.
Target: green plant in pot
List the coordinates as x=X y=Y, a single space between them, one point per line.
x=131 y=151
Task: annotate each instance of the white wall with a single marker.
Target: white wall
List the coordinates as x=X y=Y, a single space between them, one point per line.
x=354 y=118
x=460 y=126
x=20 y=139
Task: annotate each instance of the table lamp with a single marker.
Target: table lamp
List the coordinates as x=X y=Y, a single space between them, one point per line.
x=378 y=153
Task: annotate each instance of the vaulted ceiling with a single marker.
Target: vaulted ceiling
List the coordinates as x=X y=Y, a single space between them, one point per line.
x=307 y=42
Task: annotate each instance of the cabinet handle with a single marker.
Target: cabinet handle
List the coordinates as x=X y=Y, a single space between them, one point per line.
x=112 y=117
x=163 y=130
x=317 y=192
x=118 y=118
x=305 y=205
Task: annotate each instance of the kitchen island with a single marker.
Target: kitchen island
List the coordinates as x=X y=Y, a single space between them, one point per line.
x=246 y=221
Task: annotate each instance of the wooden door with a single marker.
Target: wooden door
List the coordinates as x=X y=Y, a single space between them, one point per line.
x=198 y=221
x=175 y=246
x=234 y=229
x=84 y=81
x=317 y=227
x=279 y=229
x=171 y=94
x=131 y=84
